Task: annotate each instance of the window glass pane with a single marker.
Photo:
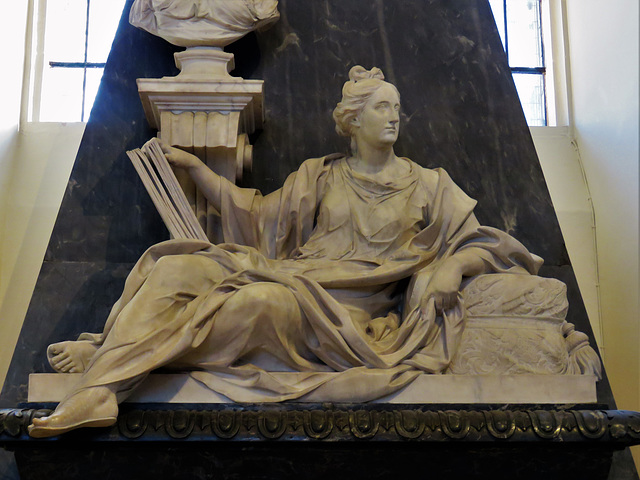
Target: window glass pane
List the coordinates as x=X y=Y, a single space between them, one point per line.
x=525 y=36
x=61 y=95
x=104 y=16
x=531 y=92
x=497 y=6
x=65 y=27
x=94 y=75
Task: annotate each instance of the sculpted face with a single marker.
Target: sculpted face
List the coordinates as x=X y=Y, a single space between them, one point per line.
x=378 y=123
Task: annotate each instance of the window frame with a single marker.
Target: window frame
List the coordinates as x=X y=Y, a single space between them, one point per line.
x=34 y=65
x=546 y=55
x=554 y=41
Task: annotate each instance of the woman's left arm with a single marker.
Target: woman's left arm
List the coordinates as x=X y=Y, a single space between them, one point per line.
x=444 y=285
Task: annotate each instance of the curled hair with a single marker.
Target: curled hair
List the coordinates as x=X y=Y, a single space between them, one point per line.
x=355 y=93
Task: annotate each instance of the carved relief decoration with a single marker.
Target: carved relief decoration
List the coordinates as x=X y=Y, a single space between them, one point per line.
x=615 y=426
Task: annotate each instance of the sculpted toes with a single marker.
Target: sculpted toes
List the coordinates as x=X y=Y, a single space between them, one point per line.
x=56 y=348
x=40 y=421
x=63 y=360
x=65 y=364
x=62 y=356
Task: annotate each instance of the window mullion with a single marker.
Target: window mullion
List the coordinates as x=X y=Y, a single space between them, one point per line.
x=40 y=26
x=537 y=70
x=84 y=69
x=506 y=29
x=542 y=59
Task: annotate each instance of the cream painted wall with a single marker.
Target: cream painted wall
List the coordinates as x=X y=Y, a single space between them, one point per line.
x=565 y=179
x=603 y=53
x=44 y=155
x=12 y=34
x=12 y=27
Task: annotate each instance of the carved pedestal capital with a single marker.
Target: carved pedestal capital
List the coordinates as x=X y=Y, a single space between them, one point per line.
x=209 y=113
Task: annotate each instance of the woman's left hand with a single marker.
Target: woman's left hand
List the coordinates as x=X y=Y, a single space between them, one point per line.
x=443 y=287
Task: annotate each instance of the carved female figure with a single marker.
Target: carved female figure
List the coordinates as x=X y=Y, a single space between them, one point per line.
x=354 y=266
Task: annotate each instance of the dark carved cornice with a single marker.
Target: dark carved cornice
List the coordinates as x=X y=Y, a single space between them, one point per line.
x=620 y=428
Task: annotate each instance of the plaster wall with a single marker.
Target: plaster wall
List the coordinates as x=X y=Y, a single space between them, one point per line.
x=12 y=27
x=603 y=52
x=13 y=23
x=565 y=179
x=44 y=155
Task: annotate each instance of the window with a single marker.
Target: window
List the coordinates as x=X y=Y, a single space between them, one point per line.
x=71 y=40
x=520 y=25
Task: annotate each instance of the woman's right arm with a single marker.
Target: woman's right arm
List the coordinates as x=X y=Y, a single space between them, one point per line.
x=207 y=181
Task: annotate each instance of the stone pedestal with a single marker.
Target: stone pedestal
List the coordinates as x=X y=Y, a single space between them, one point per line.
x=425 y=390
x=209 y=113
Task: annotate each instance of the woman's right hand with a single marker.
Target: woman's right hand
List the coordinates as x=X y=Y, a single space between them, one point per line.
x=206 y=179
x=180 y=158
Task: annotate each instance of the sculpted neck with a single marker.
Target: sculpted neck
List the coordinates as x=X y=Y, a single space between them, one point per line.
x=372 y=160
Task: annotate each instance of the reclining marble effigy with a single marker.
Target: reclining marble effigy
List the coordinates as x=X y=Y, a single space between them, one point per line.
x=359 y=265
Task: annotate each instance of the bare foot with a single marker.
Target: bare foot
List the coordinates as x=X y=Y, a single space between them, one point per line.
x=71 y=357
x=93 y=407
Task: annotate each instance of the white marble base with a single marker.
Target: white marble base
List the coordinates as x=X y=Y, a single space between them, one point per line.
x=181 y=388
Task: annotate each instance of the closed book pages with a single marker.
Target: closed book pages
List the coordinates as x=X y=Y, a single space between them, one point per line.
x=165 y=191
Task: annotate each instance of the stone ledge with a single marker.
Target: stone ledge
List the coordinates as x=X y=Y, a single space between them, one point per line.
x=426 y=389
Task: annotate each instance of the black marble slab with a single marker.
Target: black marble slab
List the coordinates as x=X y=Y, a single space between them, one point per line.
x=72 y=297
x=348 y=441
x=310 y=462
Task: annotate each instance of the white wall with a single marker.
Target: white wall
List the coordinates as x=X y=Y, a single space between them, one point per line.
x=565 y=179
x=12 y=33
x=603 y=52
x=44 y=155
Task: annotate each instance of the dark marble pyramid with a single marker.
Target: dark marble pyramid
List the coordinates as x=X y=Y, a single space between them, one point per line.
x=460 y=112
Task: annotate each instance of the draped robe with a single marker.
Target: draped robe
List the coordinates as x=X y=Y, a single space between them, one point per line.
x=345 y=249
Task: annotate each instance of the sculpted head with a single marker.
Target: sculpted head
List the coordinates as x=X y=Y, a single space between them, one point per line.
x=356 y=94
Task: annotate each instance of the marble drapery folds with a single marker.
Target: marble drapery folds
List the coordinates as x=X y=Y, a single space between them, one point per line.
x=311 y=279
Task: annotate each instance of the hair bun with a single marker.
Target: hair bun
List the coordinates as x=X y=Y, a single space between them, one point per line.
x=360 y=73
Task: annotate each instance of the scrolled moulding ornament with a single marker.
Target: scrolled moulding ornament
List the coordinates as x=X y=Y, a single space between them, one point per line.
x=204 y=109
x=318 y=424
x=500 y=425
x=225 y=425
x=618 y=428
